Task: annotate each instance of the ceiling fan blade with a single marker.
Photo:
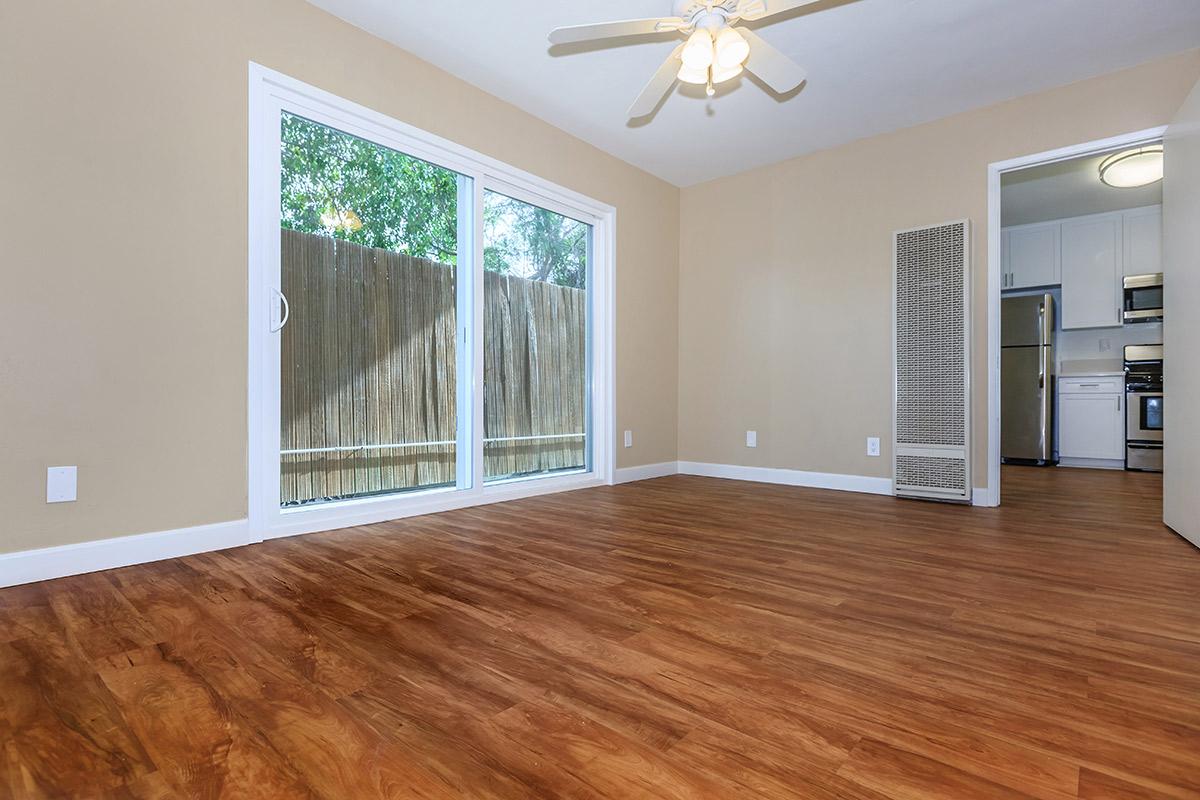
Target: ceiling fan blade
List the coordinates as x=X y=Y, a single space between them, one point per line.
x=777 y=70
x=659 y=85
x=753 y=10
x=610 y=30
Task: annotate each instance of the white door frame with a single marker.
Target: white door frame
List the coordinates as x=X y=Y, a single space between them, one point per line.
x=995 y=171
x=271 y=93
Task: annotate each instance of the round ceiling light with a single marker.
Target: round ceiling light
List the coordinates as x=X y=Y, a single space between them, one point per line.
x=1129 y=169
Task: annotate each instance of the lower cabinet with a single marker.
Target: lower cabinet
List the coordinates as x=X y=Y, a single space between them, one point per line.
x=1091 y=418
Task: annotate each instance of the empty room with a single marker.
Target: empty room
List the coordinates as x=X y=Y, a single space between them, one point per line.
x=631 y=399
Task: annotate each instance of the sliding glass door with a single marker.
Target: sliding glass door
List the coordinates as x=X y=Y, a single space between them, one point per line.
x=435 y=326
x=536 y=360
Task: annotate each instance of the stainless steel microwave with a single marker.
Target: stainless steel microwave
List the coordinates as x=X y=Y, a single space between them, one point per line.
x=1144 y=298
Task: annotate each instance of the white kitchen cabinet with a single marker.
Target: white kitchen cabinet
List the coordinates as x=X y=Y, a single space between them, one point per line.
x=1143 y=241
x=1034 y=256
x=1091 y=419
x=1092 y=257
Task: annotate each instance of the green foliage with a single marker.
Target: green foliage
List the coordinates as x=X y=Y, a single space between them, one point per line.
x=522 y=239
x=335 y=184
x=367 y=194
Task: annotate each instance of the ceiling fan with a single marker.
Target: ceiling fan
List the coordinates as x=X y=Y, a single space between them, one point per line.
x=715 y=51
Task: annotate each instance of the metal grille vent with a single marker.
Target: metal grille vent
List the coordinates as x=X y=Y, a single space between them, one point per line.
x=932 y=362
x=939 y=473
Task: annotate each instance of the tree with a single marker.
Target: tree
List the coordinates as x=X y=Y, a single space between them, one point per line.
x=339 y=185
x=532 y=242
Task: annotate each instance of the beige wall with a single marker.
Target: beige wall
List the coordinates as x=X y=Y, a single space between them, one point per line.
x=123 y=307
x=785 y=272
x=1181 y=331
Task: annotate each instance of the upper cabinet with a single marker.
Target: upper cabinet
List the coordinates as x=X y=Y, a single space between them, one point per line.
x=1034 y=256
x=1088 y=256
x=1143 y=241
x=1091 y=272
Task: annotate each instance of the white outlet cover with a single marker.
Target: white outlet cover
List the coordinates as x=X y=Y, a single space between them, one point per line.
x=751 y=438
x=629 y=438
x=873 y=446
x=61 y=484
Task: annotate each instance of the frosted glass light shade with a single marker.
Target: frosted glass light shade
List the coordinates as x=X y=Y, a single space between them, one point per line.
x=1132 y=168
x=698 y=53
x=732 y=49
x=721 y=74
x=689 y=75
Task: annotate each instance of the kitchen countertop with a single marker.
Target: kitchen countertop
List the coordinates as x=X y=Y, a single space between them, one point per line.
x=1092 y=368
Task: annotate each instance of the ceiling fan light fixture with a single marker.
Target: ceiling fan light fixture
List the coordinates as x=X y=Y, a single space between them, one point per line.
x=697 y=76
x=732 y=50
x=698 y=53
x=1130 y=169
x=712 y=50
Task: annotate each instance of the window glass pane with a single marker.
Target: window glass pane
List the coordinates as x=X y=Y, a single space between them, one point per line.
x=369 y=259
x=535 y=341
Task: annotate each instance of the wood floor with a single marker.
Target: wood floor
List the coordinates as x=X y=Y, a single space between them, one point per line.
x=678 y=638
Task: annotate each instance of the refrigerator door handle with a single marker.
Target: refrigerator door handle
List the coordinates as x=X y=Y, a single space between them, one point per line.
x=1044 y=402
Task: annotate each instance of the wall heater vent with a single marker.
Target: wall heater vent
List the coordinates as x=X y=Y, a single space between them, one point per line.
x=932 y=362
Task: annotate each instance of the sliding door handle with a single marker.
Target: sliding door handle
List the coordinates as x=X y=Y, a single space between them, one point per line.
x=285 y=310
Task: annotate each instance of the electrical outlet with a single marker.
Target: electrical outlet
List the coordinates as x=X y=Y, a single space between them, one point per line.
x=61 y=484
x=751 y=438
x=629 y=438
x=873 y=446
x=1105 y=345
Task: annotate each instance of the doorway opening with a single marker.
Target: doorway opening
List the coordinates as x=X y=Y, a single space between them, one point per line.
x=1075 y=297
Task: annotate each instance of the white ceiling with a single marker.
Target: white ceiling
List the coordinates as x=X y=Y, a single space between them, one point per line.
x=873 y=66
x=1067 y=189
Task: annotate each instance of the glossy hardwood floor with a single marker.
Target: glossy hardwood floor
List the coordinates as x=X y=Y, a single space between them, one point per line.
x=677 y=638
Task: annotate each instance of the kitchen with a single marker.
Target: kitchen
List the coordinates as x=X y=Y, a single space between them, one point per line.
x=1081 y=313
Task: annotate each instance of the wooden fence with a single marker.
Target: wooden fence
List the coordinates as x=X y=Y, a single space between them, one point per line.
x=369 y=372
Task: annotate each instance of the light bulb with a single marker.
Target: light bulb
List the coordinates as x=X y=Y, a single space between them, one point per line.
x=732 y=49
x=720 y=74
x=696 y=76
x=698 y=52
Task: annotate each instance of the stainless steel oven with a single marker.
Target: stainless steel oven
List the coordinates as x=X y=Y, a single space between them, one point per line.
x=1144 y=407
x=1144 y=298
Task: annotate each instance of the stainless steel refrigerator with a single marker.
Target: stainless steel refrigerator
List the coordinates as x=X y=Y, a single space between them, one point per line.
x=1027 y=379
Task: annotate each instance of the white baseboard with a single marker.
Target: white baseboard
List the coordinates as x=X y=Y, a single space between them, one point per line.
x=646 y=471
x=983 y=496
x=790 y=477
x=29 y=566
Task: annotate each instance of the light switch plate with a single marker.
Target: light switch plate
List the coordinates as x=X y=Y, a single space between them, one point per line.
x=751 y=438
x=629 y=438
x=873 y=446
x=61 y=484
